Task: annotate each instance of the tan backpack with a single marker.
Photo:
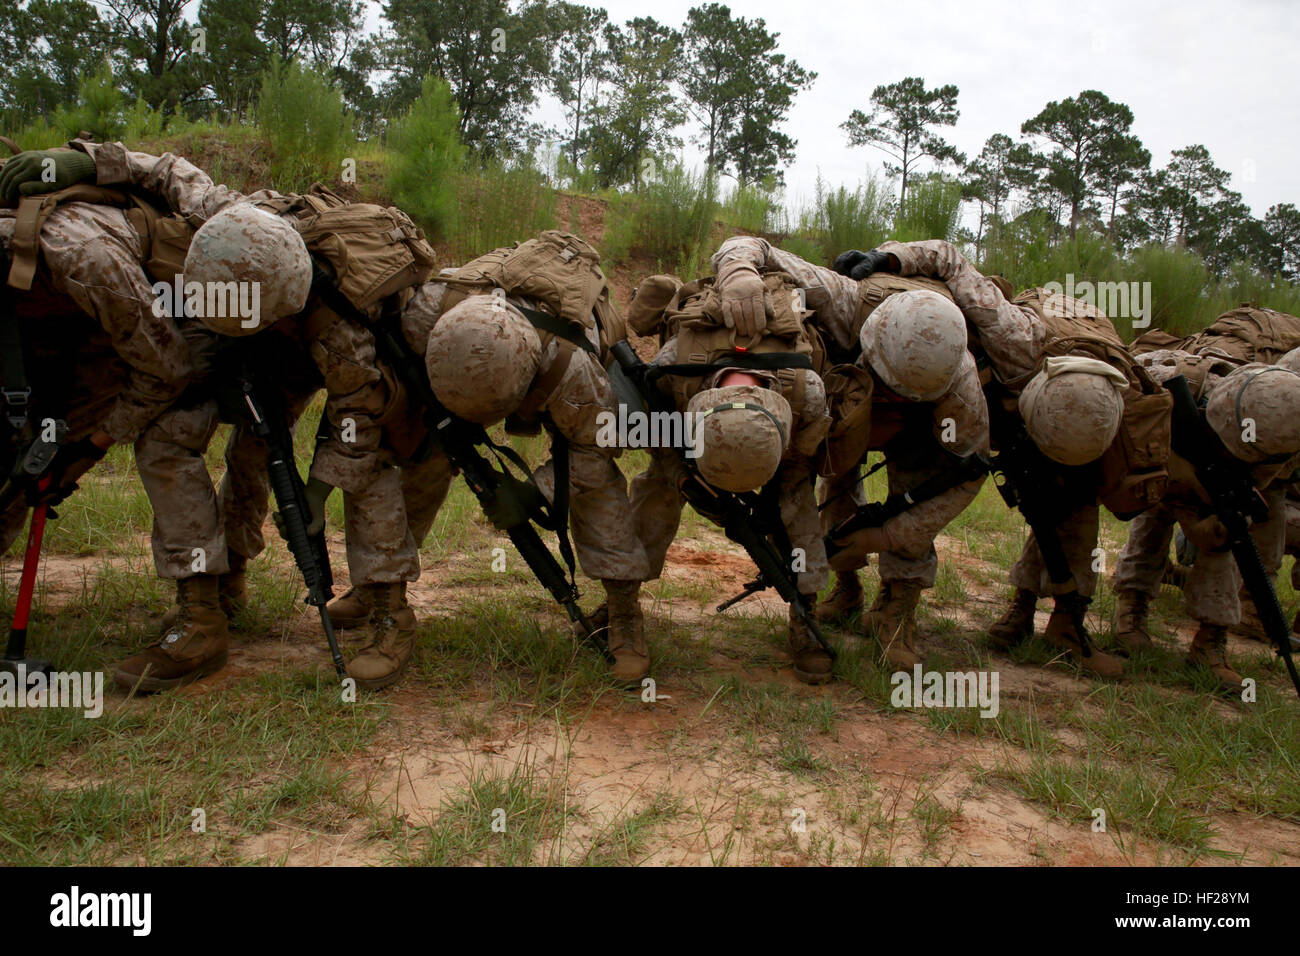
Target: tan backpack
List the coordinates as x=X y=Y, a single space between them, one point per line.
x=1249 y=334
x=1134 y=468
x=557 y=270
x=704 y=341
x=374 y=251
x=164 y=237
x=879 y=286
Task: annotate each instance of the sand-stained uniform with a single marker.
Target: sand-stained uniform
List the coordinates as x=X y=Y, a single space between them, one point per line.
x=521 y=335
x=237 y=239
x=1056 y=373
x=925 y=438
x=755 y=428
x=1241 y=335
x=1254 y=409
x=81 y=270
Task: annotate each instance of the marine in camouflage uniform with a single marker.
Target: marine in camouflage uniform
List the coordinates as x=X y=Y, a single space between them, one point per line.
x=957 y=420
x=526 y=389
x=188 y=515
x=1232 y=392
x=99 y=356
x=788 y=467
x=1011 y=338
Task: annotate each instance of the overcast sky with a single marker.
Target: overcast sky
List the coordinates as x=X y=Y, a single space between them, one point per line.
x=1223 y=74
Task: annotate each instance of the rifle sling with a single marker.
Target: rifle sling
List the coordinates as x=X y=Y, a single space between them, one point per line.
x=15 y=388
x=757 y=361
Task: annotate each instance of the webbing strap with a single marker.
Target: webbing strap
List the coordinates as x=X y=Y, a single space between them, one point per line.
x=561 y=328
x=758 y=361
x=15 y=389
x=546 y=384
x=560 y=503
x=26 y=241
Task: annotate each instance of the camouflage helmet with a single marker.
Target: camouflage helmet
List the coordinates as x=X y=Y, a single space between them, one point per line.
x=244 y=244
x=1290 y=361
x=482 y=357
x=1255 y=411
x=740 y=434
x=1072 y=408
x=915 y=341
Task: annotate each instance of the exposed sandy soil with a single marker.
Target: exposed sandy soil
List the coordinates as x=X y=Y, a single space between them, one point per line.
x=734 y=802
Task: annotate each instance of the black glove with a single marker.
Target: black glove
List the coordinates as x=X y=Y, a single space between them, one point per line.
x=25 y=174
x=845 y=261
x=70 y=462
x=512 y=503
x=870 y=263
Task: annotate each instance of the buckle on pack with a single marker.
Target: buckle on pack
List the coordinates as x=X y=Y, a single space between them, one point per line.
x=16 y=400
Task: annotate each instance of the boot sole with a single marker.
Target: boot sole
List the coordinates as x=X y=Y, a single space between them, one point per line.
x=144 y=684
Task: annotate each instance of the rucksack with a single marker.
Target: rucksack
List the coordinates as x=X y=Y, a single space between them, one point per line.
x=705 y=342
x=164 y=236
x=1134 y=469
x=557 y=270
x=879 y=286
x=1249 y=334
x=373 y=251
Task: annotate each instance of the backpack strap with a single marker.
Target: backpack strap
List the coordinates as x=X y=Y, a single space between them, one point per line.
x=15 y=389
x=547 y=383
x=32 y=213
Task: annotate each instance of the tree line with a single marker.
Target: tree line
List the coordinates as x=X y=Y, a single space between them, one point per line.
x=631 y=95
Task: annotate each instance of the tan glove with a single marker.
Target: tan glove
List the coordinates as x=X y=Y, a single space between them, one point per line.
x=744 y=305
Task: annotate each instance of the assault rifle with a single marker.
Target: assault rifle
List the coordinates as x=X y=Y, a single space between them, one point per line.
x=751 y=520
x=493 y=486
x=873 y=514
x=268 y=421
x=1030 y=481
x=1237 y=503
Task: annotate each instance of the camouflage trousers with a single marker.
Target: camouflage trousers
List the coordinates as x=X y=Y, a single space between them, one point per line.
x=1078 y=537
x=599 y=514
x=197 y=527
x=914 y=560
x=657 y=511
x=1211 y=591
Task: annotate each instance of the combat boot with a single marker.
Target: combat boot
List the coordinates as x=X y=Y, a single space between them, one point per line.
x=897 y=629
x=350 y=609
x=1062 y=633
x=193 y=646
x=1250 y=626
x=1210 y=650
x=232 y=594
x=1131 y=621
x=627 y=644
x=1017 y=625
x=389 y=637
x=843 y=602
x=874 y=616
x=812 y=664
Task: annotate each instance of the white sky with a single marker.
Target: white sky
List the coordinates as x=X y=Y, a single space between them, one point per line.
x=1223 y=74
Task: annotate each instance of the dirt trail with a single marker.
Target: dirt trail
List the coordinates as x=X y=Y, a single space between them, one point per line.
x=899 y=791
